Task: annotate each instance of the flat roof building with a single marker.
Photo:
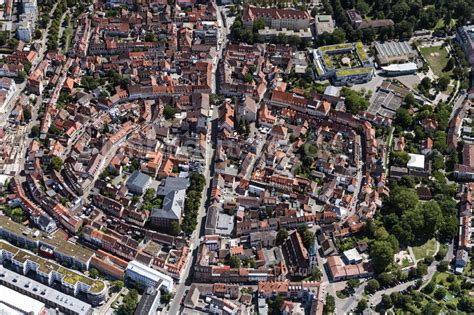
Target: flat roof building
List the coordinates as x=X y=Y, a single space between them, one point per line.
x=400 y=69
x=417 y=161
x=324 y=24
x=138 y=182
x=394 y=52
x=45 y=294
x=12 y=302
x=148 y=277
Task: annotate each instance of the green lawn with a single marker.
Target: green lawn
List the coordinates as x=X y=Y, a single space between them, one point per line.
x=437 y=57
x=425 y=250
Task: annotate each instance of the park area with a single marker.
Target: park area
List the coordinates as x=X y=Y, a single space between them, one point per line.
x=428 y=249
x=437 y=57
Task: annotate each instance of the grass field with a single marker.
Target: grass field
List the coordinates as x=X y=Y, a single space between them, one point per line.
x=425 y=250
x=437 y=57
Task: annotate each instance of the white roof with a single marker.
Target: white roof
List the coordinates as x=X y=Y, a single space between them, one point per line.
x=416 y=161
x=150 y=273
x=352 y=255
x=12 y=299
x=409 y=66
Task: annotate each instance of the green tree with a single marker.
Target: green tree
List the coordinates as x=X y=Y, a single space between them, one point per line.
x=35 y=131
x=117 y=285
x=169 y=112
x=56 y=163
x=429 y=288
x=402 y=199
x=354 y=101
x=306 y=235
x=386 y=301
x=129 y=303
x=443 y=83
x=440 y=293
x=353 y=283
x=175 y=228
x=382 y=255
x=431 y=308
x=258 y=24
x=372 y=286
x=234 y=262
x=403 y=118
x=362 y=305
x=466 y=304
x=316 y=274
x=410 y=100
x=93 y=273
x=400 y=158
x=330 y=305
x=282 y=235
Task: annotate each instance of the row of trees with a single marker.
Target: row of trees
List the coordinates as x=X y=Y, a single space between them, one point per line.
x=193 y=202
x=251 y=36
x=53 y=33
x=408 y=15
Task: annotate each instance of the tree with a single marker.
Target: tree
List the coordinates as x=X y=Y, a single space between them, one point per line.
x=430 y=309
x=443 y=83
x=425 y=84
x=316 y=274
x=400 y=158
x=354 y=101
x=258 y=24
x=165 y=296
x=429 y=288
x=169 y=112
x=117 y=285
x=410 y=99
x=56 y=163
x=175 y=228
x=440 y=293
x=433 y=218
x=362 y=305
x=38 y=34
x=382 y=255
x=353 y=283
x=248 y=78
x=35 y=131
x=129 y=303
x=93 y=273
x=443 y=266
x=403 y=118
x=22 y=76
x=386 y=301
x=234 y=262
x=306 y=235
x=275 y=304
x=372 y=286
x=466 y=304
x=330 y=305
x=402 y=199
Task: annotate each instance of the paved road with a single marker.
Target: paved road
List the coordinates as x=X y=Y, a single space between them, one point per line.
x=174 y=307
x=180 y=289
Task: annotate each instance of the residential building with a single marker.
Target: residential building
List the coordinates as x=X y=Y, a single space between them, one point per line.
x=465 y=37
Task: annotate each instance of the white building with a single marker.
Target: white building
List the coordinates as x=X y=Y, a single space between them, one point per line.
x=416 y=162
x=147 y=277
x=12 y=302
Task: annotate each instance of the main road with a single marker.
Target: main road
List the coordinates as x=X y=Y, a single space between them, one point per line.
x=187 y=275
